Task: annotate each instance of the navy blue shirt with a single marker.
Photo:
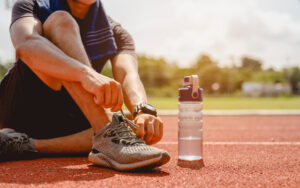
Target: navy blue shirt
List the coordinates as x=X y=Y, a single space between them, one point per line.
x=124 y=41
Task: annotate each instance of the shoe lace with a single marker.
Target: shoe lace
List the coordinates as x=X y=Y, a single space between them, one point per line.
x=123 y=134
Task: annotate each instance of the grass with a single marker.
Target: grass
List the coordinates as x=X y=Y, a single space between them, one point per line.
x=232 y=103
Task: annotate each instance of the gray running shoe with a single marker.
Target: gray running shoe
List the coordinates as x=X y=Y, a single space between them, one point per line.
x=14 y=145
x=116 y=146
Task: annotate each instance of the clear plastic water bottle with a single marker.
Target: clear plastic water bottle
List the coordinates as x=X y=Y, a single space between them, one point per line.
x=190 y=130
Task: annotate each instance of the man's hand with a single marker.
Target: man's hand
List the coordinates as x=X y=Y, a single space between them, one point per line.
x=107 y=92
x=150 y=128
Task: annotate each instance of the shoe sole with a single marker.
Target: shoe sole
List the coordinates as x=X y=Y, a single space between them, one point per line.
x=102 y=160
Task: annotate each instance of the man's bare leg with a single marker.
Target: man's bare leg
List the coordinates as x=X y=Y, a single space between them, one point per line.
x=62 y=30
x=76 y=143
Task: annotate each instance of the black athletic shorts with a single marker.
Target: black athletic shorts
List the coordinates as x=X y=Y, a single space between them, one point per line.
x=28 y=105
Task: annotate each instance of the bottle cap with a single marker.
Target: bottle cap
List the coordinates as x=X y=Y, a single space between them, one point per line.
x=191 y=90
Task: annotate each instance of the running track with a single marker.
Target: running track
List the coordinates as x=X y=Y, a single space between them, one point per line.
x=239 y=151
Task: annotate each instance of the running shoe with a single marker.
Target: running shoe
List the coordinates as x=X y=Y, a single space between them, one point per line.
x=116 y=146
x=14 y=145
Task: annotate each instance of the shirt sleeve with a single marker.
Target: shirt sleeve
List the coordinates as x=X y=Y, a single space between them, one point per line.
x=124 y=40
x=23 y=8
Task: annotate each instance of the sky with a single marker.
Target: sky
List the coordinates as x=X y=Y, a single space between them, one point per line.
x=181 y=31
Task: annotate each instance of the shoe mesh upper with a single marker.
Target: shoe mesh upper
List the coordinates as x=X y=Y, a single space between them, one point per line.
x=14 y=144
x=121 y=144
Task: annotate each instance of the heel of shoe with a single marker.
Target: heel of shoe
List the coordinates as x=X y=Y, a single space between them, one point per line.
x=97 y=159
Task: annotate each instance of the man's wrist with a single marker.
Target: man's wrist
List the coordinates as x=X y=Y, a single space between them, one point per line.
x=82 y=72
x=85 y=72
x=144 y=108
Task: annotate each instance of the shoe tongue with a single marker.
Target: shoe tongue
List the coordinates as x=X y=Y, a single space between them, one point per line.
x=117 y=118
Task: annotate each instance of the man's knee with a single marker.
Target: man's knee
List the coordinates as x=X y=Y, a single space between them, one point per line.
x=58 y=23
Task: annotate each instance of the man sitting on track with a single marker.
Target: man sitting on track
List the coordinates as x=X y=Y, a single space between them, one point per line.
x=55 y=92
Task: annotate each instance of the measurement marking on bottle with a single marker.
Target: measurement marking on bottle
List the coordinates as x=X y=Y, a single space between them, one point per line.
x=190 y=138
x=239 y=143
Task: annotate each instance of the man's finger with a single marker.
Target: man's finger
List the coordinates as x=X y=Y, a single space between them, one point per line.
x=99 y=98
x=156 y=136
x=140 y=130
x=107 y=100
x=114 y=94
x=161 y=128
x=149 y=131
x=157 y=131
x=120 y=100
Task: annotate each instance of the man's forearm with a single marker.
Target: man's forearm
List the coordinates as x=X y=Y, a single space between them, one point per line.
x=134 y=92
x=125 y=72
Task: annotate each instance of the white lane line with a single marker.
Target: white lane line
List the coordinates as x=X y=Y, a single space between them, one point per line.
x=237 y=112
x=239 y=143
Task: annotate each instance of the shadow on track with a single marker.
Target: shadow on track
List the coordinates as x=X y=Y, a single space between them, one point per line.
x=52 y=170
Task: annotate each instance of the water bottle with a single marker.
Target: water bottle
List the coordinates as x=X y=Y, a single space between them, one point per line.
x=190 y=130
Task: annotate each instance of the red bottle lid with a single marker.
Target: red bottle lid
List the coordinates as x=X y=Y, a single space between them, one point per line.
x=191 y=90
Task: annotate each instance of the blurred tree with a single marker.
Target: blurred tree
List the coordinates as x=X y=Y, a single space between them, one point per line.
x=208 y=76
x=208 y=71
x=4 y=68
x=107 y=71
x=270 y=76
x=293 y=77
x=179 y=74
x=253 y=64
x=227 y=80
x=154 y=72
x=204 y=61
x=241 y=76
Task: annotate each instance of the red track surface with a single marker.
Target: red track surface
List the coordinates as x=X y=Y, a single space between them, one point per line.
x=257 y=158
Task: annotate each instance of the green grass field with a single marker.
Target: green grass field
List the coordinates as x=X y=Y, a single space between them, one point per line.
x=231 y=103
